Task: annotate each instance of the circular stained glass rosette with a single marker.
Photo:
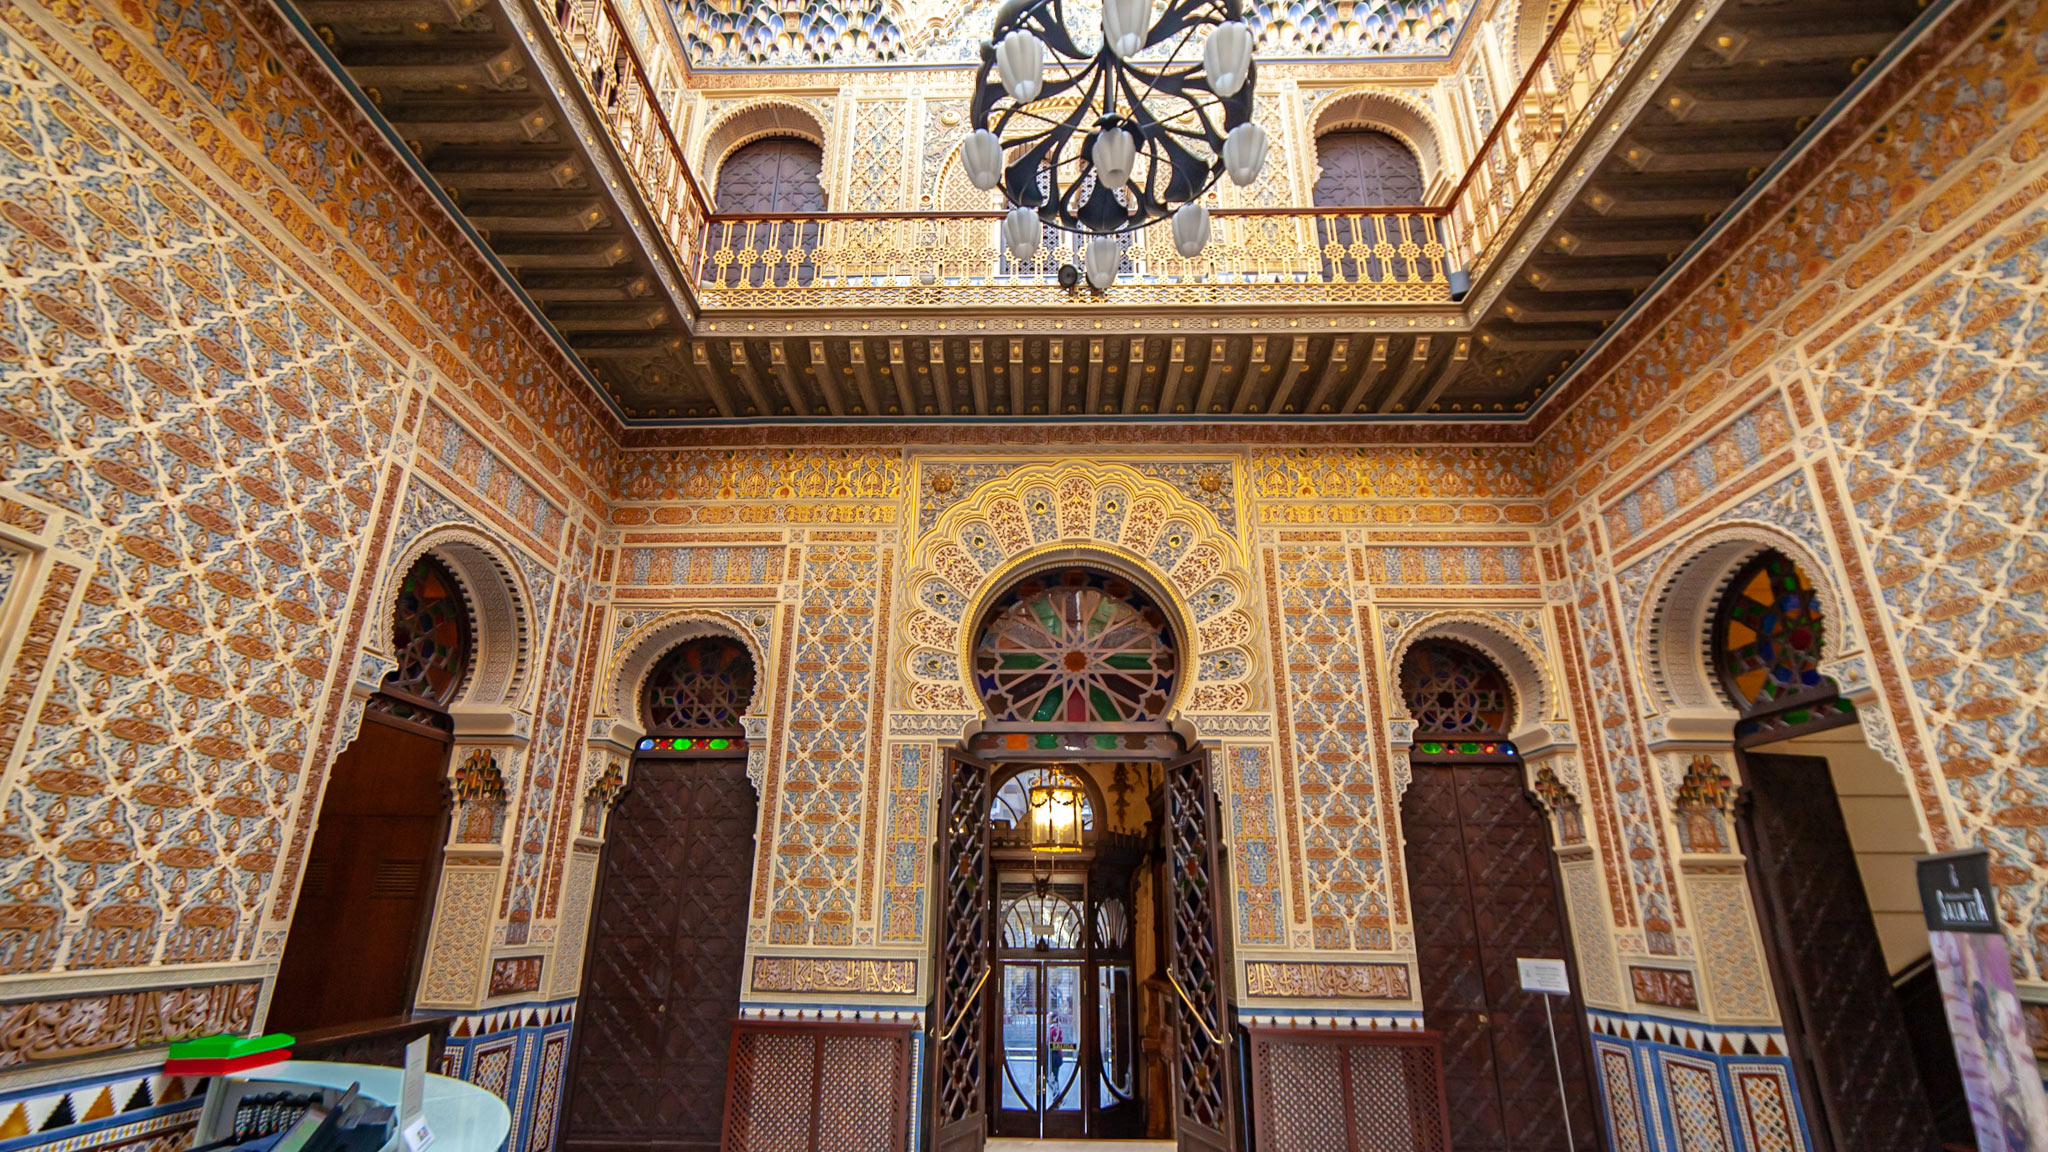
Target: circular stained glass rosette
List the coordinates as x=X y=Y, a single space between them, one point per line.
x=1771 y=634
x=1078 y=648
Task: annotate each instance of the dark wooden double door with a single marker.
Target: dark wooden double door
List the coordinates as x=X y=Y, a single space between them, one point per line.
x=661 y=983
x=1484 y=895
x=1857 y=1068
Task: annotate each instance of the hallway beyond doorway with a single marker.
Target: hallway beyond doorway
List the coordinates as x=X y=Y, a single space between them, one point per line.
x=1008 y=1144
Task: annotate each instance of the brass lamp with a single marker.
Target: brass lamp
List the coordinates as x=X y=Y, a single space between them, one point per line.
x=1056 y=816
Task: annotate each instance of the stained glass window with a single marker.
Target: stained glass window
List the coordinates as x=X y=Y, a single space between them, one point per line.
x=1012 y=802
x=429 y=635
x=1452 y=689
x=1768 y=637
x=1076 y=647
x=701 y=686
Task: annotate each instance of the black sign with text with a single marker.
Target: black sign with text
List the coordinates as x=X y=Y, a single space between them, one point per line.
x=1955 y=892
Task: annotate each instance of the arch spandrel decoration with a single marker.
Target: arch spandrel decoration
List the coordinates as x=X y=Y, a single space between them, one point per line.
x=1102 y=514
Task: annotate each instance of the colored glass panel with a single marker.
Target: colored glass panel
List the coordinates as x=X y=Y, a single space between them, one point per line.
x=1078 y=647
x=1454 y=690
x=1769 y=635
x=429 y=634
x=702 y=684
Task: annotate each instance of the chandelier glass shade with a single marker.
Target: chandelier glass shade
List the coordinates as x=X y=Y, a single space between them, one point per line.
x=1102 y=130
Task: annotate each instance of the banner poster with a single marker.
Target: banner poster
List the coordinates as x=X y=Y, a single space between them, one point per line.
x=2007 y=1105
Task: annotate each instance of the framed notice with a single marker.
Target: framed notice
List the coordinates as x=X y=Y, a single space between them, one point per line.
x=1546 y=976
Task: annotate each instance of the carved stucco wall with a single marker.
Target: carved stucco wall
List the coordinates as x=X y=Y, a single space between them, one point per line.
x=184 y=636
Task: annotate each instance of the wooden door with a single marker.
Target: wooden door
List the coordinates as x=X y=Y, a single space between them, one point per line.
x=1848 y=1035
x=1484 y=895
x=961 y=1083
x=661 y=985
x=362 y=911
x=1203 y=1069
x=1365 y=169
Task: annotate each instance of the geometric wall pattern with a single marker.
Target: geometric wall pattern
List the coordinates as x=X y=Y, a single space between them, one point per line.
x=243 y=365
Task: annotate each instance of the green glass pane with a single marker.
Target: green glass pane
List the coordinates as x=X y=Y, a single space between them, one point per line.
x=721 y=744
x=1046 y=740
x=1105 y=741
x=1048 y=707
x=1105 y=610
x=1105 y=709
x=1023 y=661
x=1048 y=616
x=1129 y=661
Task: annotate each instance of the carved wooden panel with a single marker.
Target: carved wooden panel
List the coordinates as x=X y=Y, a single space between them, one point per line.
x=1202 y=1065
x=959 y=1044
x=1318 y=1091
x=664 y=964
x=818 y=1088
x=1484 y=895
x=1843 y=1021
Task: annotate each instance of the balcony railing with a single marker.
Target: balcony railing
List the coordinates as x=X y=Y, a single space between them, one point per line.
x=1593 y=45
x=1254 y=256
x=621 y=90
x=1324 y=256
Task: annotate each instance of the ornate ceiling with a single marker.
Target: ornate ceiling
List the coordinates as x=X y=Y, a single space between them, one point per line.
x=938 y=33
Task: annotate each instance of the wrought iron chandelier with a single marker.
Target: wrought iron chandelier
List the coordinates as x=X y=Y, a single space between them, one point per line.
x=1103 y=131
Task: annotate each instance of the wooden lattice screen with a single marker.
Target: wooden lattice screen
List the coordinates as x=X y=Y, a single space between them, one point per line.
x=1320 y=1091
x=818 y=1088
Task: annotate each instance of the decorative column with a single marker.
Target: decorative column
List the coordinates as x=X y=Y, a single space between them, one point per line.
x=482 y=775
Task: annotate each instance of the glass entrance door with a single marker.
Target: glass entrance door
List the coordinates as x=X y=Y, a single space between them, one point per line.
x=1041 y=1046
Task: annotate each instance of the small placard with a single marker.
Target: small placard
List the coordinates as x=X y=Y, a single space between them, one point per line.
x=417 y=1137
x=1546 y=976
x=1955 y=892
x=412 y=1088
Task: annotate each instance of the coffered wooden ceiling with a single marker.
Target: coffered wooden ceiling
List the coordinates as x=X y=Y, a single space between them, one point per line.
x=467 y=95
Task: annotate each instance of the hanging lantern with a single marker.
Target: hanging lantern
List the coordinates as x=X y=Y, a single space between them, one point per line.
x=1191 y=229
x=1115 y=152
x=1104 y=139
x=1244 y=152
x=1099 y=260
x=1056 y=816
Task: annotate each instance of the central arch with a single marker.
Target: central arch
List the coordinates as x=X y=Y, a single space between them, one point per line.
x=1107 y=515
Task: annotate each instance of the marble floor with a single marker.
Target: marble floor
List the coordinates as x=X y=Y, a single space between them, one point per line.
x=1004 y=1144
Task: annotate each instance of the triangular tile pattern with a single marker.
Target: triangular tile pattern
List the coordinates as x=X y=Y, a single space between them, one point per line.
x=54 y=1118
x=1654 y=1045
x=500 y=1049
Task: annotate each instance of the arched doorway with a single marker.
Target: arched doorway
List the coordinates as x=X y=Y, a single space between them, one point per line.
x=1484 y=891
x=1058 y=972
x=1829 y=830
x=357 y=929
x=661 y=985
